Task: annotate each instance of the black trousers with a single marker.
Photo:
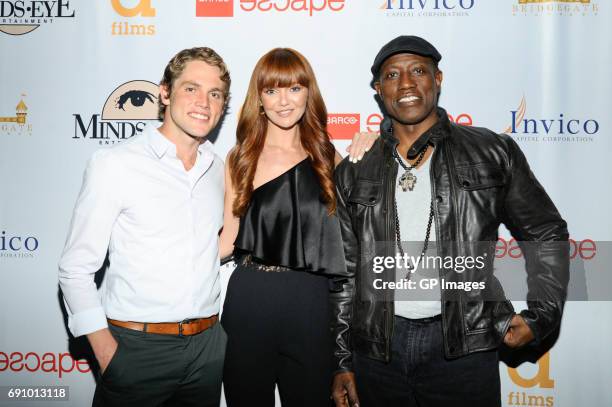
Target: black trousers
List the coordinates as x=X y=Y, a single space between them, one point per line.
x=278 y=333
x=163 y=370
x=419 y=375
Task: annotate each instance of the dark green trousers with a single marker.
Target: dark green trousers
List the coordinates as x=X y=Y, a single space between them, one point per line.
x=163 y=370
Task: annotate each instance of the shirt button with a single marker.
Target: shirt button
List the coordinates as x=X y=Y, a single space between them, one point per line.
x=372 y=199
x=439 y=199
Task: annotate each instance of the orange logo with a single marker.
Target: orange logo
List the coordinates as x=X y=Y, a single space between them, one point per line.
x=517 y=116
x=16 y=124
x=343 y=126
x=20 y=115
x=214 y=8
x=143 y=9
x=542 y=377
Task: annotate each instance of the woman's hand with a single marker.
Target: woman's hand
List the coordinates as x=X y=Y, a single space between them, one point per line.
x=361 y=144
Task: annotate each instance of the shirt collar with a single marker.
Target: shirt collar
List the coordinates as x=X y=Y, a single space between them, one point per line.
x=161 y=145
x=439 y=130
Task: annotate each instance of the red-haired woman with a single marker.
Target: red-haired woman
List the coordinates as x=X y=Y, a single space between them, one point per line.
x=279 y=216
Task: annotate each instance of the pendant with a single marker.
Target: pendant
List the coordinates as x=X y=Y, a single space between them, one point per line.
x=407 y=181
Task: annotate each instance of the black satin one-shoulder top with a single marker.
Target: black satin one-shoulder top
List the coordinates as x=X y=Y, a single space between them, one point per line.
x=287 y=224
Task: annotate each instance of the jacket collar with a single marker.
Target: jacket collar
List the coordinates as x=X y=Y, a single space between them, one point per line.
x=433 y=135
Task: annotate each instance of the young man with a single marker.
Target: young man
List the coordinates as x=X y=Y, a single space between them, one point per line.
x=155 y=203
x=454 y=188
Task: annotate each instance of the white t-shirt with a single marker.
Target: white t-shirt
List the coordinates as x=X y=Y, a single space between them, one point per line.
x=413 y=213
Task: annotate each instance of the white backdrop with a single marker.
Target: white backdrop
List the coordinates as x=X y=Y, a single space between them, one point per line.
x=537 y=69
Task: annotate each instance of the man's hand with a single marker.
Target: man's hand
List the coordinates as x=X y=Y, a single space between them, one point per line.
x=361 y=144
x=519 y=334
x=104 y=346
x=344 y=390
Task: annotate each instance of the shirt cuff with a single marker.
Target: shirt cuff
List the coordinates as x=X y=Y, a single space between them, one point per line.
x=88 y=321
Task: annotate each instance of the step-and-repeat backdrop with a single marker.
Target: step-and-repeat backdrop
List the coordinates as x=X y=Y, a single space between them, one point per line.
x=77 y=76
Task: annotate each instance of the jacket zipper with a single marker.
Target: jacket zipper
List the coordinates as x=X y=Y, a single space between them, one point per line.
x=434 y=193
x=390 y=309
x=452 y=194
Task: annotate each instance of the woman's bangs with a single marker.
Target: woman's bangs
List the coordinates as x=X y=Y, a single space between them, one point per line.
x=281 y=70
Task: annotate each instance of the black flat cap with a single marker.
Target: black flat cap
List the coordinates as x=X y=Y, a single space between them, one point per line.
x=408 y=44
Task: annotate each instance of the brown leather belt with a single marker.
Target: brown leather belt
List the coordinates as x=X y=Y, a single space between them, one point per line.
x=186 y=327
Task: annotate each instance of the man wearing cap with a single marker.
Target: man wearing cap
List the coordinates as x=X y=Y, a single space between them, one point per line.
x=448 y=187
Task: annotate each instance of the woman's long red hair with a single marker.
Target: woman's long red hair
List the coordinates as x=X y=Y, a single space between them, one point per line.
x=281 y=67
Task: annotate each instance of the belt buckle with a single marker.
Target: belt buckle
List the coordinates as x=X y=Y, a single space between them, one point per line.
x=180 y=324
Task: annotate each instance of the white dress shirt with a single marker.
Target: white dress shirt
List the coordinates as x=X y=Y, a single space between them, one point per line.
x=159 y=223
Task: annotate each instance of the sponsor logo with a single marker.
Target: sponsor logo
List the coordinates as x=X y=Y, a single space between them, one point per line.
x=22 y=17
x=374 y=120
x=579 y=249
x=58 y=364
x=16 y=124
x=16 y=246
x=427 y=8
x=343 y=126
x=299 y=6
x=567 y=8
x=125 y=113
x=142 y=9
x=225 y=8
x=540 y=382
x=557 y=128
x=214 y=8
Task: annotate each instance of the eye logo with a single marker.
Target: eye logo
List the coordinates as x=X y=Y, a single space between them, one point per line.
x=125 y=114
x=134 y=100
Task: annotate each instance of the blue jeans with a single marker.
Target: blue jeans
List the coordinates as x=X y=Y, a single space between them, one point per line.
x=419 y=374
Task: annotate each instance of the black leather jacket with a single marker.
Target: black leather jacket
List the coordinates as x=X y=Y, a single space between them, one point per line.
x=479 y=180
